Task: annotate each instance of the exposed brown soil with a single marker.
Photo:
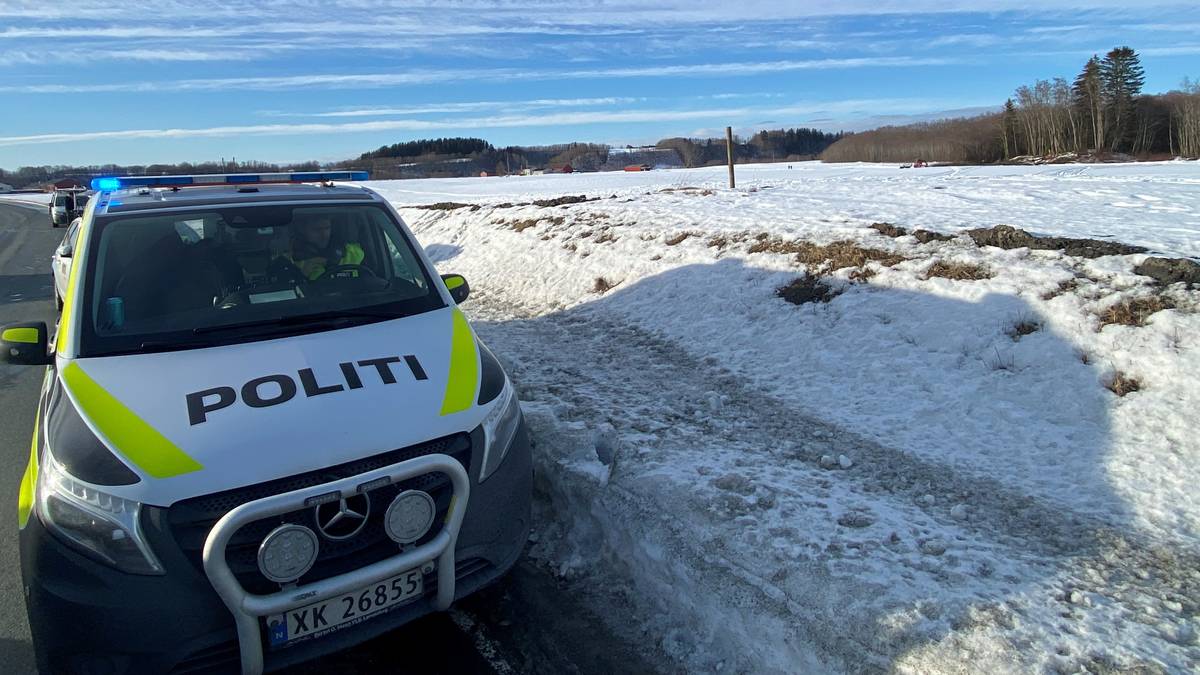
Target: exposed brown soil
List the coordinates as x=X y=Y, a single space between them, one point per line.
x=1009 y=237
x=806 y=289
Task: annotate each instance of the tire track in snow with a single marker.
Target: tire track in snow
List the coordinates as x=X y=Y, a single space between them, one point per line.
x=589 y=368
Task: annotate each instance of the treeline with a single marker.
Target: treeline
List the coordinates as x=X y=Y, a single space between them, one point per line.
x=968 y=140
x=458 y=147
x=1101 y=113
x=779 y=145
x=39 y=176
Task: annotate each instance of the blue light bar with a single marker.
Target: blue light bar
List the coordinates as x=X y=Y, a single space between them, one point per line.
x=111 y=183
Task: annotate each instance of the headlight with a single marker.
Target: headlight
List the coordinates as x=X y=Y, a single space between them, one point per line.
x=499 y=427
x=100 y=525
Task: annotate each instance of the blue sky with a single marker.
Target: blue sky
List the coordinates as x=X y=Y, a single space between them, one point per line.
x=140 y=82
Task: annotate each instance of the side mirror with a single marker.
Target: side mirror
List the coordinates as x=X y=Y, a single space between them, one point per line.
x=25 y=344
x=457 y=285
x=64 y=251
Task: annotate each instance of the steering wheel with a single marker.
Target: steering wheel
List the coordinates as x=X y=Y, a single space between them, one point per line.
x=332 y=272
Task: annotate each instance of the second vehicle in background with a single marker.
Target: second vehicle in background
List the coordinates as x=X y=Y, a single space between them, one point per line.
x=60 y=262
x=67 y=204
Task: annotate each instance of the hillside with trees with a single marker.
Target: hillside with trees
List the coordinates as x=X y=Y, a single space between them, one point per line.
x=764 y=146
x=1102 y=113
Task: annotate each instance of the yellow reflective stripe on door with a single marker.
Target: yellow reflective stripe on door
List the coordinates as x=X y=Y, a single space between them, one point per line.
x=463 y=378
x=29 y=480
x=66 y=320
x=129 y=434
x=27 y=336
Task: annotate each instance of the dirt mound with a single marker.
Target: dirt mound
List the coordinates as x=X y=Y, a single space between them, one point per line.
x=923 y=236
x=447 y=206
x=1009 y=237
x=1168 y=271
x=563 y=201
x=889 y=230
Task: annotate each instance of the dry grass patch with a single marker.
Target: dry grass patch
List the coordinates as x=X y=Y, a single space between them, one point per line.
x=677 y=239
x=958 y=271
x=863 y=274
x=1135 y=311
x=1121 y=384
x=889 y=230
x=806 y=289
x=1063 y=287
x=603 y=285
x=1021 y=326
x=833 y=256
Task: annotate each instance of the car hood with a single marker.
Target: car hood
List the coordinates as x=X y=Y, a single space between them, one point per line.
x=201 y=421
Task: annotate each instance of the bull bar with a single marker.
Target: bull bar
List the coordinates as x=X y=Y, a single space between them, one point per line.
x=247 y=608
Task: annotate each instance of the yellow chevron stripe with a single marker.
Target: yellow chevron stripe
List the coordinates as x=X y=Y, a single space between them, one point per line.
x=462 y=381
x=129 y=434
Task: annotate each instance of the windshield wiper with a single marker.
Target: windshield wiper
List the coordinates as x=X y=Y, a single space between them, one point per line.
x=332 y=316
x=155 y=346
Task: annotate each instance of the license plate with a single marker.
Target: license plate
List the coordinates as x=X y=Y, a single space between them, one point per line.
x=321 y=618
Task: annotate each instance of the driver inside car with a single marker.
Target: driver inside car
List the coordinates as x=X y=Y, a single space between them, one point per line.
x=314 y=249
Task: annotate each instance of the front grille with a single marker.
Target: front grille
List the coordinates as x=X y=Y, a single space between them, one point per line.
x=192 y=519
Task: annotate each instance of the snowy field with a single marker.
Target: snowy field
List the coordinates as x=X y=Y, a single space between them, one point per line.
x=923 y=474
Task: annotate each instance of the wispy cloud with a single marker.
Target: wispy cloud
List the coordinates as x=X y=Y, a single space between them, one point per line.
x=463 y=106
x=373 y=80
x=26 y=57
x=490 y=122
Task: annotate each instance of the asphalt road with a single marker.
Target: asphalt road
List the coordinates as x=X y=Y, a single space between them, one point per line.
x=528 y=623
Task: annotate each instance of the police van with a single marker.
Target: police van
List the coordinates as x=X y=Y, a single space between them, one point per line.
x=266 y=432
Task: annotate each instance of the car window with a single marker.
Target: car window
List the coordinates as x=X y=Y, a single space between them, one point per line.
x=72 y=234
x=167 y=277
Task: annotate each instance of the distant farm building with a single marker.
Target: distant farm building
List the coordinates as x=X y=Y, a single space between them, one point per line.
x=650 y=157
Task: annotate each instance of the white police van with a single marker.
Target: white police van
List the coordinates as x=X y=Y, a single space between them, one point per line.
x=266 y=432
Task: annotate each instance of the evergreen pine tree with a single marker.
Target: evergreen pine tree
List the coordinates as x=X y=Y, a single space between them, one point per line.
x=1122 y=78
x=1008 y=125
x=1088 y=101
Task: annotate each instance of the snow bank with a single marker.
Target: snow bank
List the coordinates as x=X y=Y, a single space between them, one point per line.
x=923 y=474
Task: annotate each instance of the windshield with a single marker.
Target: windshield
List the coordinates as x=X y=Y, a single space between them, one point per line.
x=234 y=274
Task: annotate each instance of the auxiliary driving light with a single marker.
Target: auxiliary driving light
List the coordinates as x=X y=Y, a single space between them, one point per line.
x=287 y=553
x=409 y=516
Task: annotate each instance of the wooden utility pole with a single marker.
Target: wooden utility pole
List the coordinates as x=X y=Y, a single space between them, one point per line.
x=729 y=154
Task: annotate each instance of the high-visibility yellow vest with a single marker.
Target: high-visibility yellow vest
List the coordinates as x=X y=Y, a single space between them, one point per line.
x=313 y=268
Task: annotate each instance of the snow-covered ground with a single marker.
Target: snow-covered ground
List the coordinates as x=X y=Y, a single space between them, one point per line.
x=28 y=198
x=896 y=479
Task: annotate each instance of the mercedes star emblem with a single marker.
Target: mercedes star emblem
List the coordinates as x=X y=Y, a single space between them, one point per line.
x=343 y=518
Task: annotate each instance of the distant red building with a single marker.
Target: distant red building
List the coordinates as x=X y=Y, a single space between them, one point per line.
x=567 y=168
